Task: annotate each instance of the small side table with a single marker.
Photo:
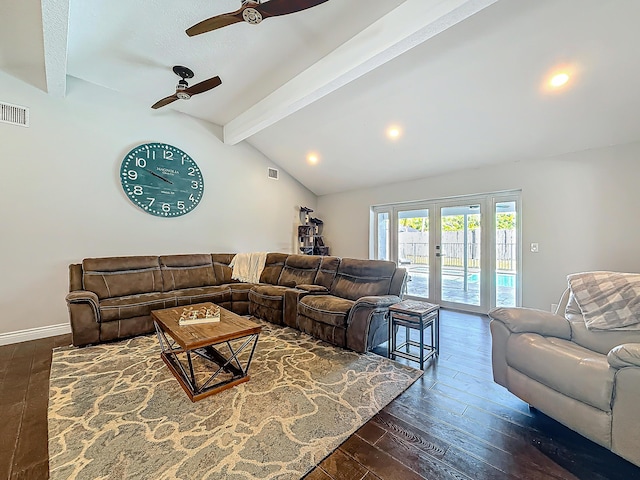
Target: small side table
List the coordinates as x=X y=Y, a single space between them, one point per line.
x=414 y=315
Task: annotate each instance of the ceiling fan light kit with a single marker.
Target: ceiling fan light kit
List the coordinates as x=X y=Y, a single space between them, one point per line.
x=252 y=16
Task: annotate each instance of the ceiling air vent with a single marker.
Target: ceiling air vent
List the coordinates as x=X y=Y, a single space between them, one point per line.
x=273 y=173
x=14 y=114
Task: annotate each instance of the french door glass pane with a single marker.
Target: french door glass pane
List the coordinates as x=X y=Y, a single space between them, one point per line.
x=413 y=249
x=506 y=267
x=460 y=254
x=383 y=236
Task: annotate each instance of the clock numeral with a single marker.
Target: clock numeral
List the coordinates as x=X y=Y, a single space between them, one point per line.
x=183 y=157
x=181 y=205
x=168 y=154
x=151 y=154
x=151 y=200
x=192 y=172
x=191 y=197
x=194 y=184
x=141 y=162
x=132 y=174
x=137 y=190
x=166 y=207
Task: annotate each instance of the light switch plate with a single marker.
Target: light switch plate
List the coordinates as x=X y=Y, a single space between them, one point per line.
x=535 y=248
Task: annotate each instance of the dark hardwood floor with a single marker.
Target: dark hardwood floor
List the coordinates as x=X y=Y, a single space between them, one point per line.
x=452 y=423
x=456 y=423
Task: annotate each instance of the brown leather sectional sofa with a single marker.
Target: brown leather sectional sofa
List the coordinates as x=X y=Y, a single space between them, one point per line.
x=343 y=301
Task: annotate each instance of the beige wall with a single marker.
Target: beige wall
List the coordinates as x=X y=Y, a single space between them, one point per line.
x=61 y=198
x=581 y=208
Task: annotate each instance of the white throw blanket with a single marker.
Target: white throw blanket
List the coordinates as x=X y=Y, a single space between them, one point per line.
x=247 y=267
x=607 y=300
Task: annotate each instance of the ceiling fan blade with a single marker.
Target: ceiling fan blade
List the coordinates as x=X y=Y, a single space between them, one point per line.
x=273 y=8
x=216 y=22
x=165 y=101
x=204 y=86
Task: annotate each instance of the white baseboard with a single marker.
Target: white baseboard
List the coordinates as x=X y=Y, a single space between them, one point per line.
x=34 y=333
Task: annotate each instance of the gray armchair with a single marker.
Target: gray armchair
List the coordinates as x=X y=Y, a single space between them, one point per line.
x=587 y=380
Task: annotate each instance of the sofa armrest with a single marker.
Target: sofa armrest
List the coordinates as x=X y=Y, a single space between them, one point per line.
x=377 y=301
x=521 y=320
x=84 y=296
x=315 y=289
x=84 y=316
x=625 y=355
x=367 y=323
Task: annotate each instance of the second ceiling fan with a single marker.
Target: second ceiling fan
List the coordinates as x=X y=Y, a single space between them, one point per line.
x=253 y=12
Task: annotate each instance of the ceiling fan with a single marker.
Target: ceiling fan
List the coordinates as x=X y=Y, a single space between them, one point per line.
x=183 y=90
x=253 y=12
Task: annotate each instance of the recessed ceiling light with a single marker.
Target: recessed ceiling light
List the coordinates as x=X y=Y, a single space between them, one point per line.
x=393 y=132
x=312 y=158
x=559 y=79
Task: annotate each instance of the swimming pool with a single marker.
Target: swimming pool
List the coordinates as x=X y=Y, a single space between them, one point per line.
x=502 y=279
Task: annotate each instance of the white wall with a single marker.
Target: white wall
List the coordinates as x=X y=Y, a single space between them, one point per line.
x=582 y=209
x=61 y=198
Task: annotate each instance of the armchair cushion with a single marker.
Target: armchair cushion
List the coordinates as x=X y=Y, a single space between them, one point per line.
x=563 y=366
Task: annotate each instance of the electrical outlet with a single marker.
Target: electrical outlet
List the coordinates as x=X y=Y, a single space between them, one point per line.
x=535 y=248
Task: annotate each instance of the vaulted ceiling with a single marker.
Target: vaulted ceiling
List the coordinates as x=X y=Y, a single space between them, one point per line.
x=464 y=81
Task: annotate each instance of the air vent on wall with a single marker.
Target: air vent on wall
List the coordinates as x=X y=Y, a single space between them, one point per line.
x=14 y=114
x=273 y=173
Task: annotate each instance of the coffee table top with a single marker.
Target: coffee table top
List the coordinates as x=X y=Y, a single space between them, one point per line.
x=190 y=337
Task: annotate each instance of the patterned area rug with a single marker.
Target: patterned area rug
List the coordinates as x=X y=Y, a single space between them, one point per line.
x=116 y=412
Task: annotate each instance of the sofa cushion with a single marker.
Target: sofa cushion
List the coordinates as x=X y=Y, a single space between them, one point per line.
x=328 y=333
x=112 y=277
x=361 y=278
x=327 y=271
x=327 y=309
x=299 y=269
x=563 y=366
x=269 y=296
x=240 y=291
x=273 y=267
x=129 y=306
x=217 y=294
x=186 y=271
x=221 y=267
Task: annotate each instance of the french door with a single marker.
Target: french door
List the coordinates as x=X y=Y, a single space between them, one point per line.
x=462 y=253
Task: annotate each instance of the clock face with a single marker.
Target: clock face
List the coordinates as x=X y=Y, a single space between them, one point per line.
x=161 y=179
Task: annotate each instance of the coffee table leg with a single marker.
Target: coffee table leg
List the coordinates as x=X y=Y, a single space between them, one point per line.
x=227 y=361
x=193 y=375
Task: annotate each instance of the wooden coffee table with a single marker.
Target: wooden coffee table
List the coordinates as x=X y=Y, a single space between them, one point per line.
x=222 y=350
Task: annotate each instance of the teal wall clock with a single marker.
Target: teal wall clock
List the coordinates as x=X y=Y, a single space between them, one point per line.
x=161 y=179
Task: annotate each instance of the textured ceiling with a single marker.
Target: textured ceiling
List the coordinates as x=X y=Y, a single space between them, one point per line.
x=462 y=78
